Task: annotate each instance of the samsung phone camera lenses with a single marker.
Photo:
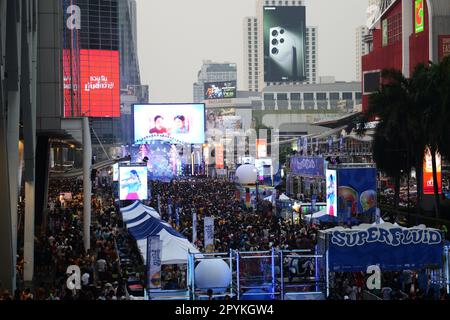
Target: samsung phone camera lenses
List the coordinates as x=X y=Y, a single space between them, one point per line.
x=274 y=51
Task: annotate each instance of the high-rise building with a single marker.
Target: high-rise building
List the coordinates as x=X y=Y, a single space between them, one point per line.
x=100 y=61
x=213 y=72
x=362 y=48
x=254 y=48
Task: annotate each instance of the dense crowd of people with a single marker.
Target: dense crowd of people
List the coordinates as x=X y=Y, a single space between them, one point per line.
x=113 y=258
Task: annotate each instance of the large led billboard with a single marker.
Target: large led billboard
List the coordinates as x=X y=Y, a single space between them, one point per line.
x=97 y=84
x=428 y=182
x=331 y=185
x=181 y=123
x=357 y=191
x=100 y=83
x=133 y=182
x=284 y=43
x=220 y=90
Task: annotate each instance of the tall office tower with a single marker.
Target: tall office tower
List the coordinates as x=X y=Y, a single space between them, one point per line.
x=251 y=62
x=256 y=66
x=362 y=48
x=213 y=72
x=312 y=53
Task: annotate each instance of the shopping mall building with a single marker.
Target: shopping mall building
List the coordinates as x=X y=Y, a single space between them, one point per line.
x=403 y=34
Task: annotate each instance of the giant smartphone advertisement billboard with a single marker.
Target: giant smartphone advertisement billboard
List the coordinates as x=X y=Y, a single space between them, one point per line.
x=180 y=123
x=357 y=191
x=284 y=43
x=133 y=182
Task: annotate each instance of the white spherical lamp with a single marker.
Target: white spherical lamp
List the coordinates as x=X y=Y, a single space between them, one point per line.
x=214 y=274
x=246 y=174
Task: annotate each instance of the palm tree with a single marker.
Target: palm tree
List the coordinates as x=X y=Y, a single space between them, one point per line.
x=394 y=141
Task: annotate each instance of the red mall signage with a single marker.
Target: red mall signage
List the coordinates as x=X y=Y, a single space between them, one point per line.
x=99 y=78
x=444 y=46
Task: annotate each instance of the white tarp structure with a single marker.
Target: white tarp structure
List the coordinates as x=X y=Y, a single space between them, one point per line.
x=143 y=221
x=137 y=210
x=283 y=197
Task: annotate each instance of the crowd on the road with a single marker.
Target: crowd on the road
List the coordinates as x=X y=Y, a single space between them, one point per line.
x=237 y=227
x=60 y=244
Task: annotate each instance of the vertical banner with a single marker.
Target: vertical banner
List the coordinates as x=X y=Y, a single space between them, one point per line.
x=219 y=156
x=330 y=144
x=209 y=234
x=177 y=216
x=247 y=198
x=169 y=208
x=154 y=246
x=331 y=182
x=159 y=204
x=299 y=144
x=419 y=15
x=261 y=147
x=194 y=227
x=428 y=183
x=305 y=146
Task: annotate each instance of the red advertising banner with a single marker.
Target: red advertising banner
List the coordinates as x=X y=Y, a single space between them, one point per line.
x=444 y=46
x=219 y=156
x=100 y=83
x=428 y=185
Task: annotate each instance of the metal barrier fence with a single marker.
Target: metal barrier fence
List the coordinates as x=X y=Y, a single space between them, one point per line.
x=266 y=275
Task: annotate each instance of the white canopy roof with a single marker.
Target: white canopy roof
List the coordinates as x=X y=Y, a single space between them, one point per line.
x=147 y=222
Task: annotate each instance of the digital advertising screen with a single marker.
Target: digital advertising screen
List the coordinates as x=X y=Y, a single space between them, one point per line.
x=331 y=185
x=220 y=90
x=284 y=43
x=357 y=191
x=428 y=182
x=100 y=83
x=179 y=123
x=264 y=167
x=219 y=152
x=116 y=172
x=133 y=182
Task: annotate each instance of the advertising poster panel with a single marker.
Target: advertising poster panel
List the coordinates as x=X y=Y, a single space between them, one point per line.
x=428 y=183
x=180 y=123
x=261 y=148
x=220 y=90
x=219 y=156
x=154 y=246
x=284 y=43
x=133 y=182
x=444 y=46
x=357 y=191
x=223 y=119
x=209 y=234
x=331 y=185
x=419 y=17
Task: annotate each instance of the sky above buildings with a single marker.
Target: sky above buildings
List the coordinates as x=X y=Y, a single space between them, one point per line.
x=175 y=36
